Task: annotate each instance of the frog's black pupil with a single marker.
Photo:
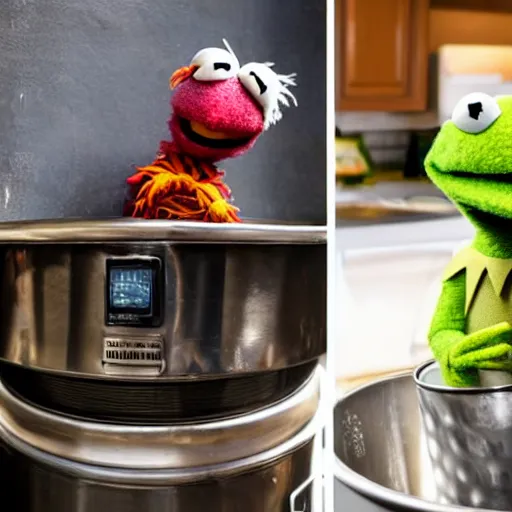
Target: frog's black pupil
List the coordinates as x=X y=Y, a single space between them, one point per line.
x=475 y=109
x=222 y=65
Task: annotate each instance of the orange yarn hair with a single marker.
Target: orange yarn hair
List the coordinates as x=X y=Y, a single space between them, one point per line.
x=180 y=75
x=178 y=187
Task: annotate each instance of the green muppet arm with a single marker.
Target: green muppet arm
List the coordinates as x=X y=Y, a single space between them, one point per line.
x=459 y=355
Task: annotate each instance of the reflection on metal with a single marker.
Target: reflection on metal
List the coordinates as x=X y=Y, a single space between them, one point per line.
x=227 y=308
x=177 y=446
x=153 y=365
x=395 y=472
x=260 y=459
x=469 y=440
x=144 y=230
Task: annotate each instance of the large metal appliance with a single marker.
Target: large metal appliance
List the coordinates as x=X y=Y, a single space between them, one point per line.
x=157 y=364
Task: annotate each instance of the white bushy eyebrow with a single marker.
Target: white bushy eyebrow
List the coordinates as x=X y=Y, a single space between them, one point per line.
x=284 y=95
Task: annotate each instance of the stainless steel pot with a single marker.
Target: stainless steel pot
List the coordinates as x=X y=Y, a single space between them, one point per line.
x=381 y=449
x=252 y=462
x=469 y=436
x=133 y=299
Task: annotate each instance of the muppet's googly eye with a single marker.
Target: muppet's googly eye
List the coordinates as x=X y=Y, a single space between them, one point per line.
x=268 y=88
x=215 y=64
x=475 y=112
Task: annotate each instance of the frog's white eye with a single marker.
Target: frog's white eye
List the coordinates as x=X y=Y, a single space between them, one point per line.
x=268 y=88
x=215 y=64
x=475 y=112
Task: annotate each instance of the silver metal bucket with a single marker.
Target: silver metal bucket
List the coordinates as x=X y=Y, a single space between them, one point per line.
x=254 y=462
x=469 y=436
x=382 y=452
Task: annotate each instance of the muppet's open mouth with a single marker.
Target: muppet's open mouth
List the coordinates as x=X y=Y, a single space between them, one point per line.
x=488 y=219
x=201 y=135
x=503 y=180
x=496 y=177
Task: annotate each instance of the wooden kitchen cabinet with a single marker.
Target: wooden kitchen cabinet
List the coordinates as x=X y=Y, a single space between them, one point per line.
x=501 y=6
x=382 y=55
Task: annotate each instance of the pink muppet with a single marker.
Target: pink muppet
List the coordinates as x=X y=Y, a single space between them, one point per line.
x=219 y=109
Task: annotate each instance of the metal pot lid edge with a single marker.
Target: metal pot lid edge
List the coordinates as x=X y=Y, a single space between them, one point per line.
x=161 y=447
x=137 y=230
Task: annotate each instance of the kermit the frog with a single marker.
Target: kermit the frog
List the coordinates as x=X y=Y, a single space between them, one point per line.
x=471 y=162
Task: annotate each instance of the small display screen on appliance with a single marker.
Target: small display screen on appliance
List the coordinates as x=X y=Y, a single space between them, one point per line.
x=131 y=288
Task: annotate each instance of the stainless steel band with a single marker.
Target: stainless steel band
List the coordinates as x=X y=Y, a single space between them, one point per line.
x=142 y=230
x=164 y=455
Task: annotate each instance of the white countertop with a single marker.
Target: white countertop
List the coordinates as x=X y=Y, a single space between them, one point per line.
x=403 y=233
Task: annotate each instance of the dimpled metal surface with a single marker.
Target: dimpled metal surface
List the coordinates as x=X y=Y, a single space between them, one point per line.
x=469 y=440
x=391 y=457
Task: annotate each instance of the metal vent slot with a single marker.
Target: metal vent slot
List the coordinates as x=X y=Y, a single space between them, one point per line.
x=131 y=356
x=153 y=401
x=142 y=356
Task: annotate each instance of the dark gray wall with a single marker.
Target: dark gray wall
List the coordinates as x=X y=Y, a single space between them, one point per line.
x=84 y=96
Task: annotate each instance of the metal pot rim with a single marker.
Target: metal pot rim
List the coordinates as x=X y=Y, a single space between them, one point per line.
x=377 y=492
x=450 y=390
x=176 y=447
x=164 y=477
x=125 y=229
x=389 y=497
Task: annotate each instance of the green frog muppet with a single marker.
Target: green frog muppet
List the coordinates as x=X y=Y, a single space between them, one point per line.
x=471 y=162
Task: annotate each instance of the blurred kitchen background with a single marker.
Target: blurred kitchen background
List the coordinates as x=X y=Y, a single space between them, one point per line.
x=401 y=67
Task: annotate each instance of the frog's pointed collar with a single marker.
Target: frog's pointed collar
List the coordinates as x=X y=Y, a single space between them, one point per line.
x=476 y=265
